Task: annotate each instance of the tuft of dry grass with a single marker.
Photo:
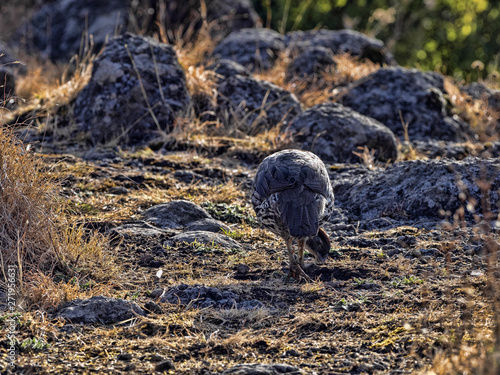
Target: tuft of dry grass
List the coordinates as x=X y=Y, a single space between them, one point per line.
x=29 y=209
x=37 y=239
x=47 y=88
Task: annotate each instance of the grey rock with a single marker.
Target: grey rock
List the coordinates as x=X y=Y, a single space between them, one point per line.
x=310 y=64
x=334 y=132
x=254 y=105
x=185 y=15
x=208 y=225
x=340 y=41
x=118 y=190
x=478 y=90
x=206 y=238
x=56 y=29
x=394 y=94
x=200 y=296
x=187 y=177
x=262 y=369
x=227 y=68
x=175 y=214
x=139 y=230
x=417 y=191
x=7 y=85
x=113 y=107
x=164 y=366
x=10 y=62
x=99 y=309
x=255 y=49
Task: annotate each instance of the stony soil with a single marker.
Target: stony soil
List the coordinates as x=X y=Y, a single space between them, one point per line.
x=386 y=302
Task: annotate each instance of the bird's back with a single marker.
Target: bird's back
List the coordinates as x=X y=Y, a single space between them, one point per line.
x=292 y=193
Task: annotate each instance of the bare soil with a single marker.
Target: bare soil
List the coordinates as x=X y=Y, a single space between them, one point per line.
x=385 y=302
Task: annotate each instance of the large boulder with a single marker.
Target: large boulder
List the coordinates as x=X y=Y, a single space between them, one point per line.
x=10 y=62
x=181 y=18
x=175 y=214
x=418 y=191
x=334 y=133
x=478 y=90
x=201 y=297
x=255 y=49
x=254 y=105
x=7 y=85
x=396 y=95
x=56 y=29
x=132 y=101
x=226 y=68
x=310 y=64
x=339 y=41
x=100 y=310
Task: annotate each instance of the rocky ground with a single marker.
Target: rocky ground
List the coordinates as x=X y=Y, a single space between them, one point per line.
x=158 y=155
x=194 y=298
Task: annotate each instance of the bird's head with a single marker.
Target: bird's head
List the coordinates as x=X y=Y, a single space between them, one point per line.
x=319 y=246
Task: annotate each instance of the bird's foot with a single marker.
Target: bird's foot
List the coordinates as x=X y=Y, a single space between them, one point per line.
x=297 y=273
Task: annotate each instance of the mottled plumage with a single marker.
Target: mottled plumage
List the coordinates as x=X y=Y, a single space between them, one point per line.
x=292 y=197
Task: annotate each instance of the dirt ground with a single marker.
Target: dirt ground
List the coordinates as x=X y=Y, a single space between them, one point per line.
x=385 y=302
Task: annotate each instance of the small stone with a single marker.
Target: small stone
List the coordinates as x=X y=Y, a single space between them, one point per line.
x=242 y=269
x=124 y=357
x=118 y=190
x=153 y=307
x=165 y=366
x=157 y=293
x=156 y=358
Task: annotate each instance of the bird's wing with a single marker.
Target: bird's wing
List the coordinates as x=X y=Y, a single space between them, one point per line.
x=271 y=179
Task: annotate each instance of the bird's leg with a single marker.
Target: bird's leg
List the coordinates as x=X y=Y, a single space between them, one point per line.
x=302 y=244
x=291 y=257
x=296 y=270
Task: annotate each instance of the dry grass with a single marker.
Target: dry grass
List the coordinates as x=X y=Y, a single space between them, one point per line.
x=36 y=237
x=476 y=112
x=46 y=89
x=29 y=208
x=325 y=88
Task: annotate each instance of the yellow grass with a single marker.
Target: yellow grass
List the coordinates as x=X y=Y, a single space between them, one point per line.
x=36 y=237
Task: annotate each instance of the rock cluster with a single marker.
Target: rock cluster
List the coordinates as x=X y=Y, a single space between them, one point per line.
x=99 y=310
x=199 y=296
x=136 y=92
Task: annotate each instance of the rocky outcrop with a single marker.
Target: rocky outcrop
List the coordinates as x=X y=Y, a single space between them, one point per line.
x=200 y=296
x=254 y=105
x=7 y=86
x=310 y=64
x=255 y=49
x=396 y=95
x=181 y=18
x=334 y=133
x=136 y=91
x=204 y=240
x=478 y=90
x=415 y=191
x=99 y=310
x=262 y=369
x=208 y=225
x=175 y=214
x=226 y=68
x=339 y=41
x=55 y=31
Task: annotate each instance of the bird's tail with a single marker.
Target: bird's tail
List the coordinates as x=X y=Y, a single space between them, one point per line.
x=299 y=212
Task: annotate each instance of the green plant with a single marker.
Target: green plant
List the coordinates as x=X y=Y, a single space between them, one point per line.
x=34 y=344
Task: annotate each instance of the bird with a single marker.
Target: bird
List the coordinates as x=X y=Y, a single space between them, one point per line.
x=292 y=196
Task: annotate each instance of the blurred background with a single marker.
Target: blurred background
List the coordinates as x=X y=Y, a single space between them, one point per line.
x=460 y=38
